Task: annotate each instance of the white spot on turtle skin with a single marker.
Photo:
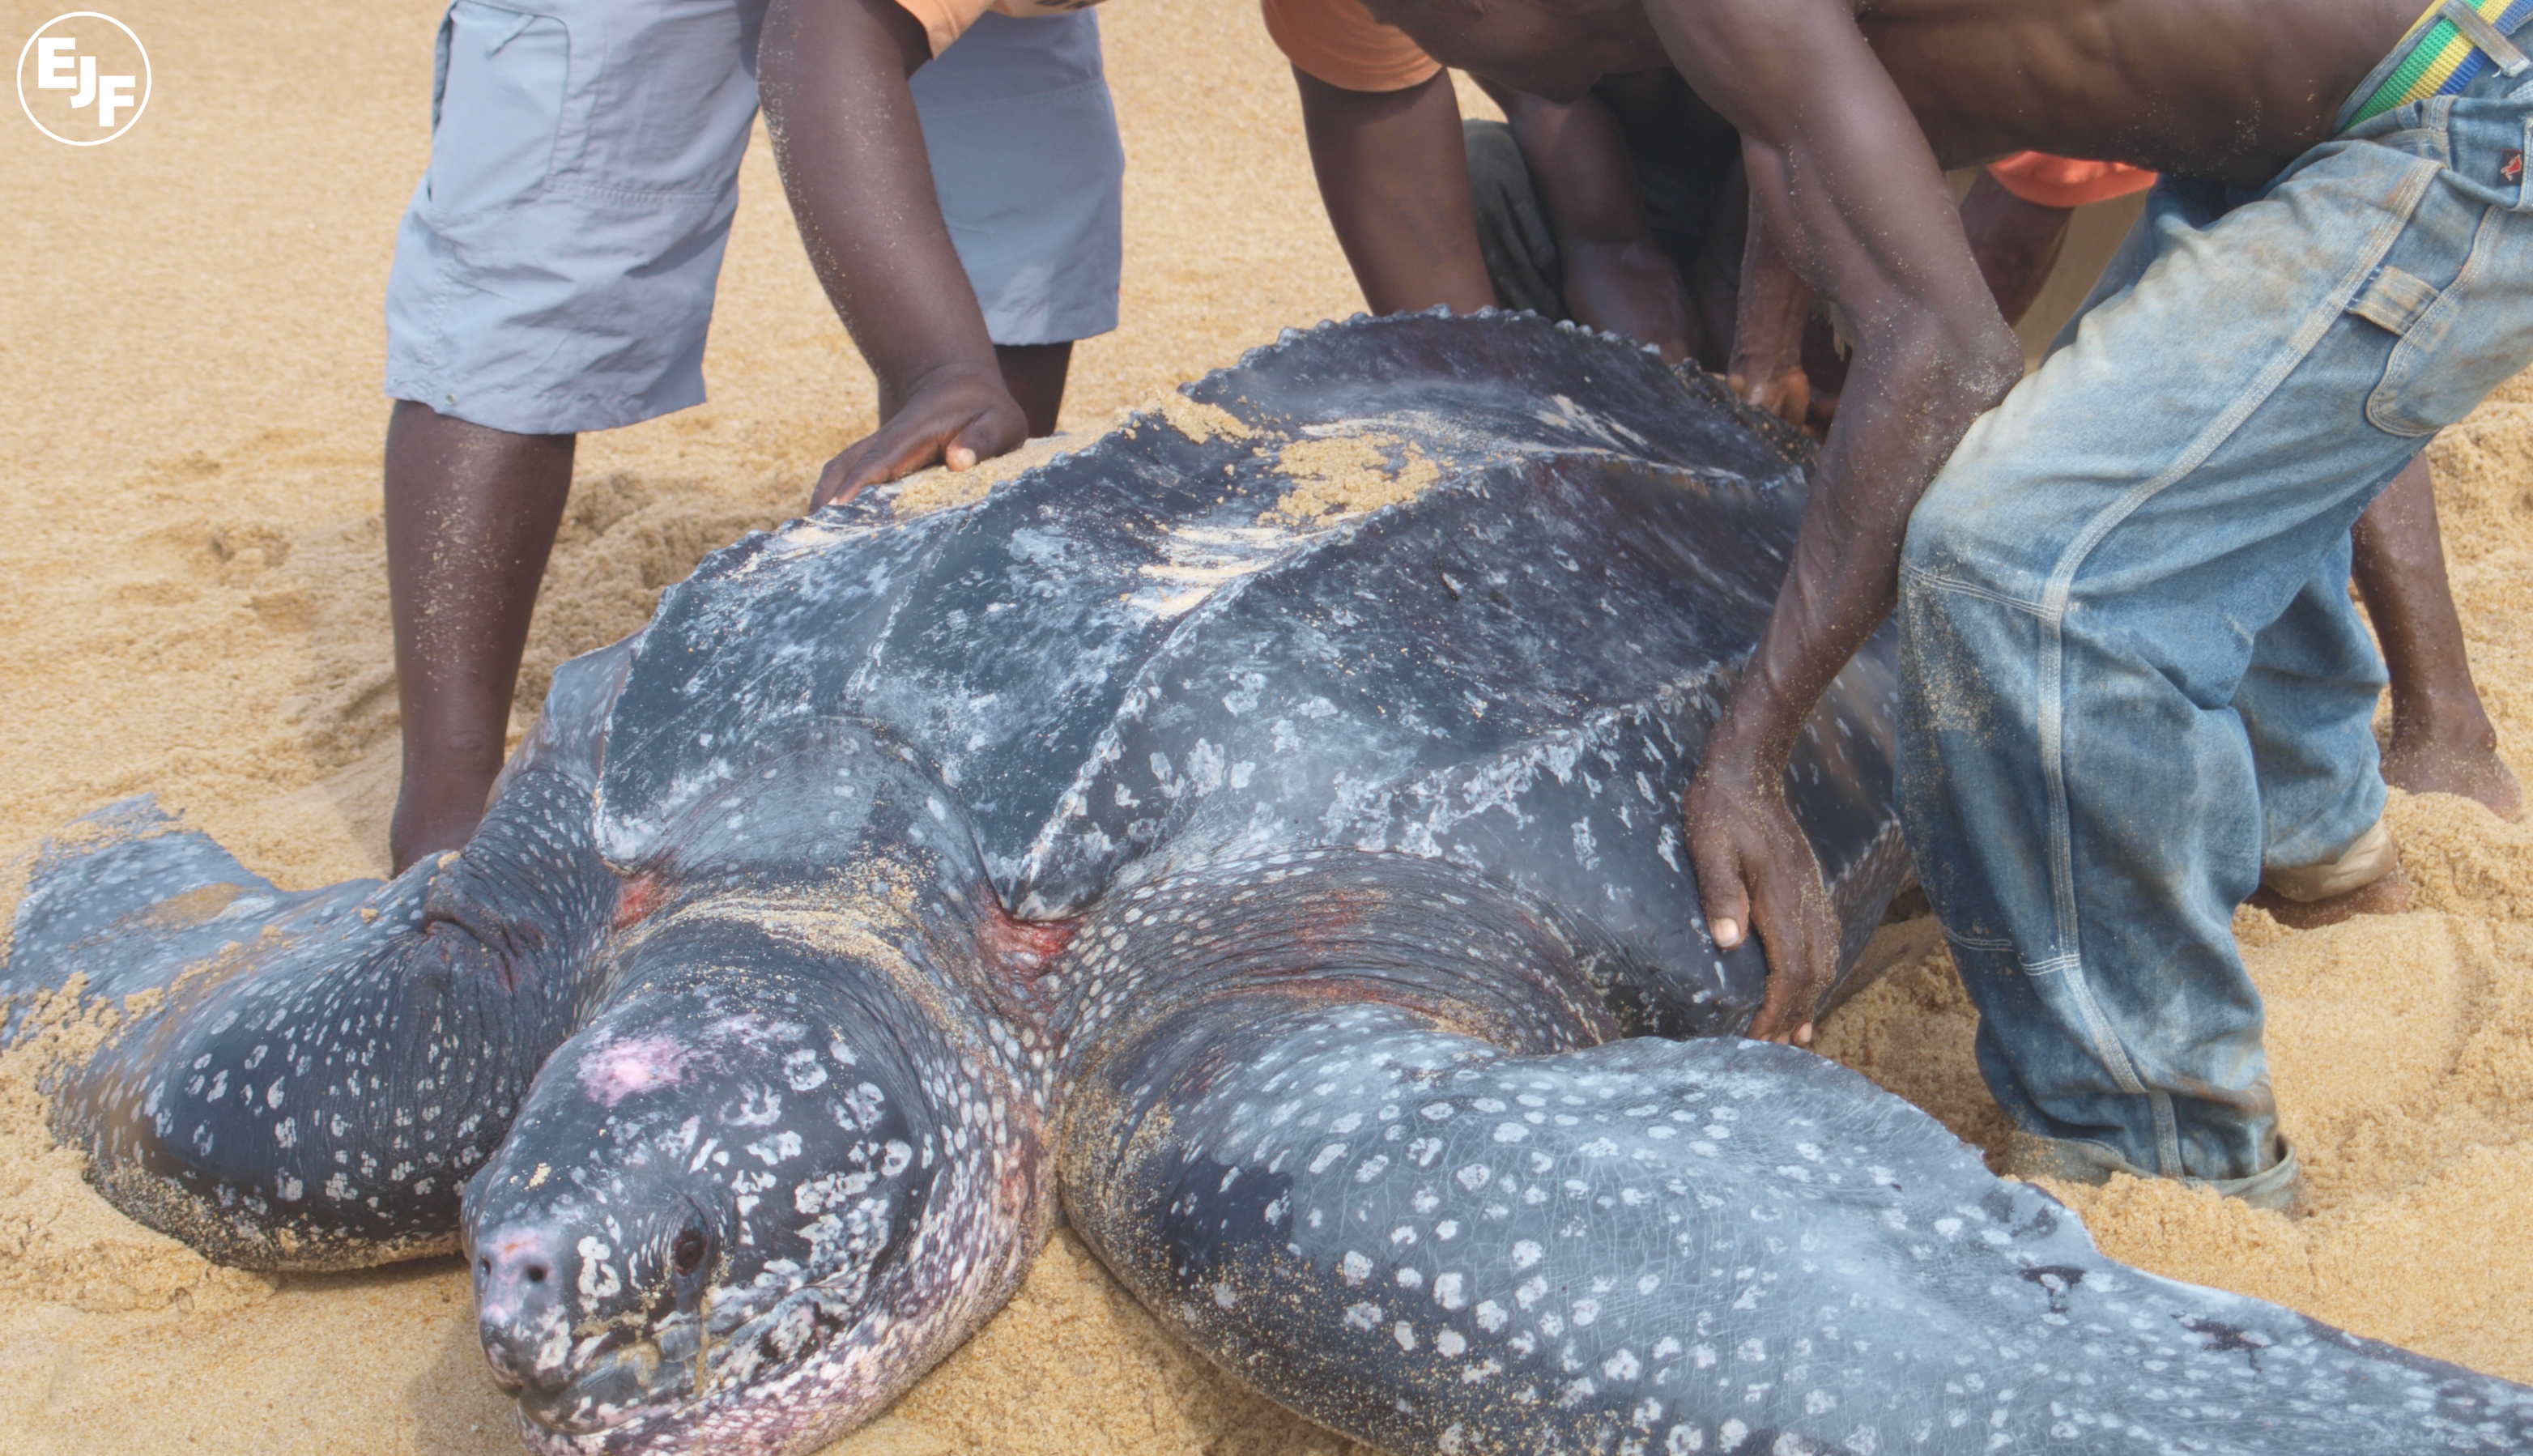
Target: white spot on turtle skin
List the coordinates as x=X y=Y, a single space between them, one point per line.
x=895 y=1160
x=1473 y=1177
x=1363 y=1315
x=598 y=1279
x=802 y=1070
x=1452 y=1342
x=1224 y=1296
x=1586 y=846
x=1405 y=1334
x=1327 y=1155
x=1447 y=1291
x=1510 y=1131
x=773 y=1150
x=1526 y=1252
x=1354 y=1267
x=1621 y=1365
x=1493 y=1316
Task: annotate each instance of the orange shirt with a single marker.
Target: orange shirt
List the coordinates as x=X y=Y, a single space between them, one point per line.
x=1337 y=40
x=2064 y=182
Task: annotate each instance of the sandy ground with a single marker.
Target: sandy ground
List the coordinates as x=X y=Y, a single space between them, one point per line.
x=190 y=344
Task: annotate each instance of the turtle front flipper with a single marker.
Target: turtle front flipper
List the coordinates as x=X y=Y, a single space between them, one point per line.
x=302 y=1081
x=1334 y=1173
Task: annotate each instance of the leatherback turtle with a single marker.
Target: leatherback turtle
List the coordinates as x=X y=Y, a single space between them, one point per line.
x=1292 y=884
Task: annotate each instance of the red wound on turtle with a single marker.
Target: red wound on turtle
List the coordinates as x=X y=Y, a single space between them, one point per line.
x=640 y=896
x=1025 y=949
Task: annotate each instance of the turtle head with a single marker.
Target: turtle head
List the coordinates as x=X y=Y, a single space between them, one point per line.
x=746 y=1207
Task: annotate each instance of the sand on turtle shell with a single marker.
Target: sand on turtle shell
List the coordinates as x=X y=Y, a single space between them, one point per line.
x=1335 y=476
x=190 y=346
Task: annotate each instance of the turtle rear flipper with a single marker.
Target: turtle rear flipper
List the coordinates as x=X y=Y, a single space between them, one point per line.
x=302 y=1081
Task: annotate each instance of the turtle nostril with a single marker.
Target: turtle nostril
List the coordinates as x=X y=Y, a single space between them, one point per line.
x=689 y=1251
x=483 y=1267
x=536 y=1273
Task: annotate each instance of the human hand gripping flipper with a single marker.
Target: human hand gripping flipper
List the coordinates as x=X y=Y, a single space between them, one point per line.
x=955 y=416
x=1755 y=870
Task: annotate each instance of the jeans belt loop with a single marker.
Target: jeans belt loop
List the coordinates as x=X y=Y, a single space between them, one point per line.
x=2477 y=30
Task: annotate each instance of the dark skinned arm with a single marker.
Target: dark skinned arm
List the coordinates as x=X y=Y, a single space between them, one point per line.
x=833 y=74
x=2016 y=243
x=1767 y=367
x=1394 y=176
x=1844 y=180
x=1616 y=278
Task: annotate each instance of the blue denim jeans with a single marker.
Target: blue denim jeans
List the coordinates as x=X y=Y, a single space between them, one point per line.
x=2132 y=673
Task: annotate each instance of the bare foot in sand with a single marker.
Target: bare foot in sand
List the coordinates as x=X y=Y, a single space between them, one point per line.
x=2454 y=758
x=2389 y=895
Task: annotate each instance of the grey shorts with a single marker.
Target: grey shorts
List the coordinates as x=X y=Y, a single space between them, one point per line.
x=555 y=270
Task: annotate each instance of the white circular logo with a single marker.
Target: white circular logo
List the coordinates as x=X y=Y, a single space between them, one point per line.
x=84 y=77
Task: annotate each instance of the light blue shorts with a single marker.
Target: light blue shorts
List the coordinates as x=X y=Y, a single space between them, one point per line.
x=554 y=271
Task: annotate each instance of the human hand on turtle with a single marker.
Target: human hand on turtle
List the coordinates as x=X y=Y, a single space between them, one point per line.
x=1755 y=870
x=955 y=416
x=1786 y=394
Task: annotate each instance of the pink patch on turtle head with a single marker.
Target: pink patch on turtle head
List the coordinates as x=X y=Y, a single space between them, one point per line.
x=620 y=1069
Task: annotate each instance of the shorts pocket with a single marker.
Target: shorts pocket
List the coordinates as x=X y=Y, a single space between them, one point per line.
x=497 y=110
x=2452 y=345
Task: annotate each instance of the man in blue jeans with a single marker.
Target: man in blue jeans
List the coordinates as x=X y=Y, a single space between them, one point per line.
x=556 y=272
x=2134 y=683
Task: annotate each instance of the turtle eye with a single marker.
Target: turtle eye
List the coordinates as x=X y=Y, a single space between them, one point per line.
x=688 y=1253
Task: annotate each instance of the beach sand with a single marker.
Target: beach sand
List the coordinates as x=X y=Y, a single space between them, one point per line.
x=190 y=419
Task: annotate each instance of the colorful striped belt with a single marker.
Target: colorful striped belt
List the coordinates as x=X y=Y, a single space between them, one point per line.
x=2446 y=50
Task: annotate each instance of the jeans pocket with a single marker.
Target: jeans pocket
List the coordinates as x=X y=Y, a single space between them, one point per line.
x=2452 y=345
x=498 y=109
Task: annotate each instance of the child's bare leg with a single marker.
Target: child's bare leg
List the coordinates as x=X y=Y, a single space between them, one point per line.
x=471 y=513
x=1034 y=374
x=2443 y=741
